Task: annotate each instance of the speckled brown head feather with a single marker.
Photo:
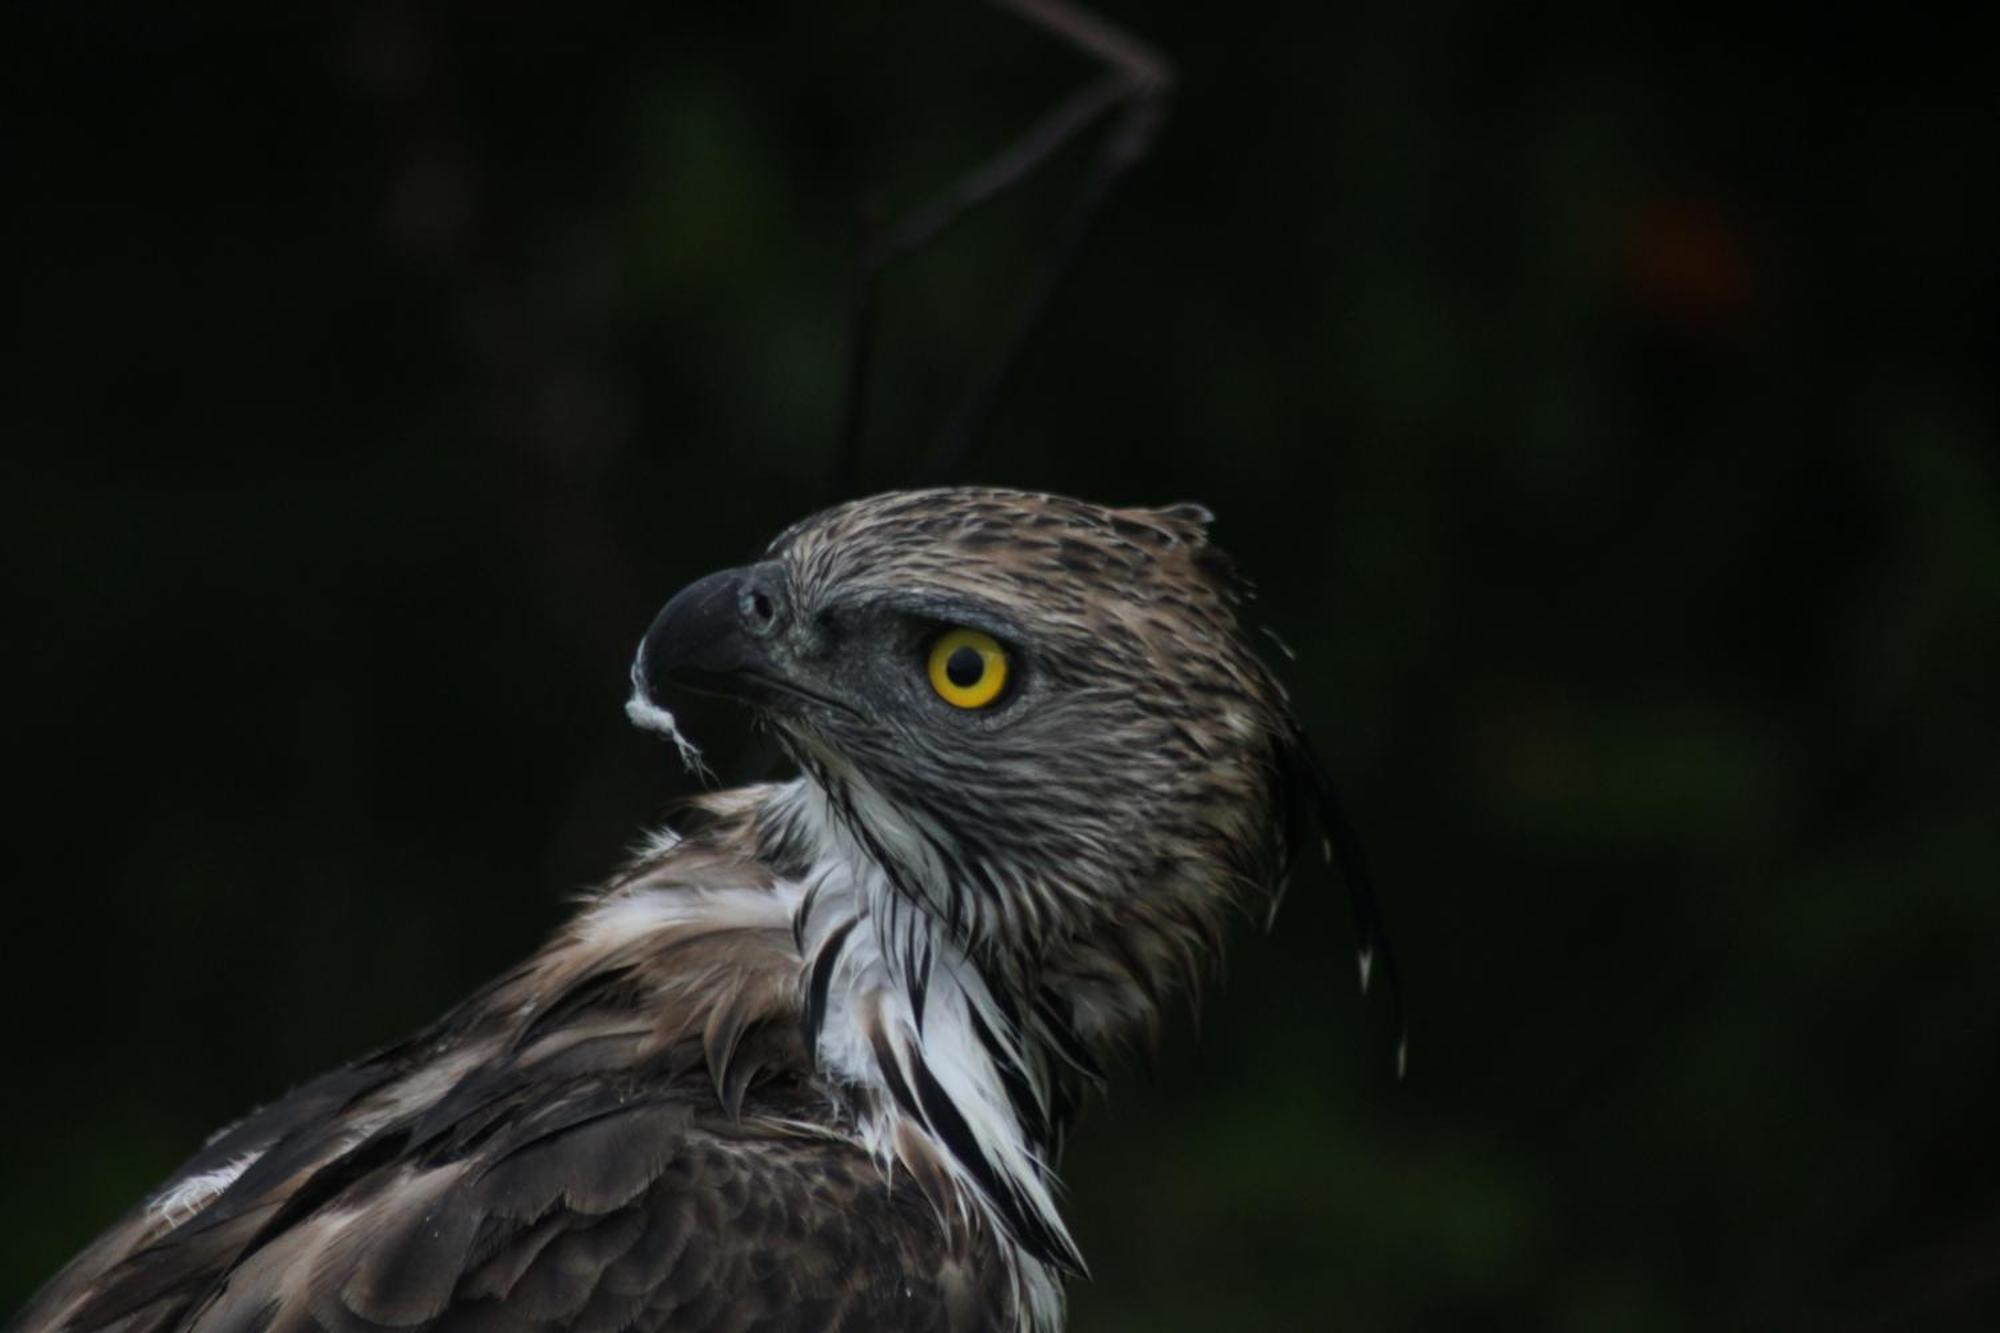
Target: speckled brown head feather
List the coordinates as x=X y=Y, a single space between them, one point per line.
x=1105 y=814
x=807 y=1063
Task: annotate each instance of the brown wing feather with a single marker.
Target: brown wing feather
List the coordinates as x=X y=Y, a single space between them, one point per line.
x=584 y=1146
x=593 y=1205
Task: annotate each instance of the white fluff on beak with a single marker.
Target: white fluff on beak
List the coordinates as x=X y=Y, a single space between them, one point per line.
x=649 y=716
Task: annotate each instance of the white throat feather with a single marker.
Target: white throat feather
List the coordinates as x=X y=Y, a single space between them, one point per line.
x=926 y=1064
x=905 y=1018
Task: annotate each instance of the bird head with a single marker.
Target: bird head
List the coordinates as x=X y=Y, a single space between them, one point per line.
x=1039 y=715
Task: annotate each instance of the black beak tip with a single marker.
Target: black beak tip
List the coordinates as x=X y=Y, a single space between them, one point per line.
x=712 y=631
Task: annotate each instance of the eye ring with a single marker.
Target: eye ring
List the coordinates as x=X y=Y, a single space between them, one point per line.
x=968 y=668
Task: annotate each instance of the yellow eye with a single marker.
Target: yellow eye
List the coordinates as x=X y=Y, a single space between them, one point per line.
x=968 y=669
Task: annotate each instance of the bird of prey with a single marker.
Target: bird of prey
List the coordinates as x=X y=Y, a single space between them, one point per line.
x=807 y=1062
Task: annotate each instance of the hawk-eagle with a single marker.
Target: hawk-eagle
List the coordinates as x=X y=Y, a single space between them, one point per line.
x=807 y=1062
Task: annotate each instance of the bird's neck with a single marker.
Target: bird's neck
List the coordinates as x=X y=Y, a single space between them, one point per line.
x=944 y=1077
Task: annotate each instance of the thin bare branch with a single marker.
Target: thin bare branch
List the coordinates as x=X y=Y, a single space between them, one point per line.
x=1136 y=86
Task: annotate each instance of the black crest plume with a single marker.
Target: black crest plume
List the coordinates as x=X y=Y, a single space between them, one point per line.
x=1310 y=793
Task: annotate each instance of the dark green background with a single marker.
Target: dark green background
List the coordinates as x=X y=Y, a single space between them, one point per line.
x=1606 y=408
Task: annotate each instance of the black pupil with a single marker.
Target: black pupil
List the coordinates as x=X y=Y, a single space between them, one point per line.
x=964 y=667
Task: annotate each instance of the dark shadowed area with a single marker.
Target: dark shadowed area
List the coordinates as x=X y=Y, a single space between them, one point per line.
x=1605 y=407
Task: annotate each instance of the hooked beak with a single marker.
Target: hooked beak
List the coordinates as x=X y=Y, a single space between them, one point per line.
x=715 y=636
x=729 y=634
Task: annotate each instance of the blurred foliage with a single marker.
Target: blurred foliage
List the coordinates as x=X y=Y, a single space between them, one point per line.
x=1605 y=404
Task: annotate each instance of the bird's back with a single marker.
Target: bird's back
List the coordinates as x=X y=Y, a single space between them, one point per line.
x=624 y=1133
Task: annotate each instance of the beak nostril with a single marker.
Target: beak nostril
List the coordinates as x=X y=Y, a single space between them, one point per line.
x=761 y=606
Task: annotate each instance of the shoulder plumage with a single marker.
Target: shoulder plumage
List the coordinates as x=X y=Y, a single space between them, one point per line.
x=624 y=1132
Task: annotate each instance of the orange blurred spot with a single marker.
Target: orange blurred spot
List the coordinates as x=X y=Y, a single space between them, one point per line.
x=1686 y=264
